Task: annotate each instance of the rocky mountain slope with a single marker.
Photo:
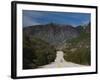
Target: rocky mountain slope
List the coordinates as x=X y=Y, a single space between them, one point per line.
x=52 y=33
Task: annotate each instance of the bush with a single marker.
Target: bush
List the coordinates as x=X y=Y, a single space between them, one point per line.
x=80 y=56
x=37 y=52
x=81 y=46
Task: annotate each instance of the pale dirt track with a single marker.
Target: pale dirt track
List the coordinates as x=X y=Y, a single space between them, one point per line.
x=60 y=62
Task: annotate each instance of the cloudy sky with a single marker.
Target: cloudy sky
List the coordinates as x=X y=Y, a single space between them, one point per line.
x=31 y=17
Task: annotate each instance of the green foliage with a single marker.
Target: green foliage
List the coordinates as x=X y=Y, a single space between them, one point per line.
x=36 y=52
x=80 y=56
x=78 y=49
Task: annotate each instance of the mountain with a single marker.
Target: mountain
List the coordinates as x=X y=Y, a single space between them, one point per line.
x=84 y=28
x=40 y=43
x=55 y=34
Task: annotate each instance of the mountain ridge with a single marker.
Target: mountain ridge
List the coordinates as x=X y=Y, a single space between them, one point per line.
x=52 y=33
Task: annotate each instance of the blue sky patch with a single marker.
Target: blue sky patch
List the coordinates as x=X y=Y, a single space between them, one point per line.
x=31 y=17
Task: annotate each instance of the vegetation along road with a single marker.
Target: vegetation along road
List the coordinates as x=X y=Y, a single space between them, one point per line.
x=60 y=62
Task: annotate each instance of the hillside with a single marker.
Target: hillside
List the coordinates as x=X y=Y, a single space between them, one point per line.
x=41 y=42
x=77 y=50
x=36 y=53
x=52 y=33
